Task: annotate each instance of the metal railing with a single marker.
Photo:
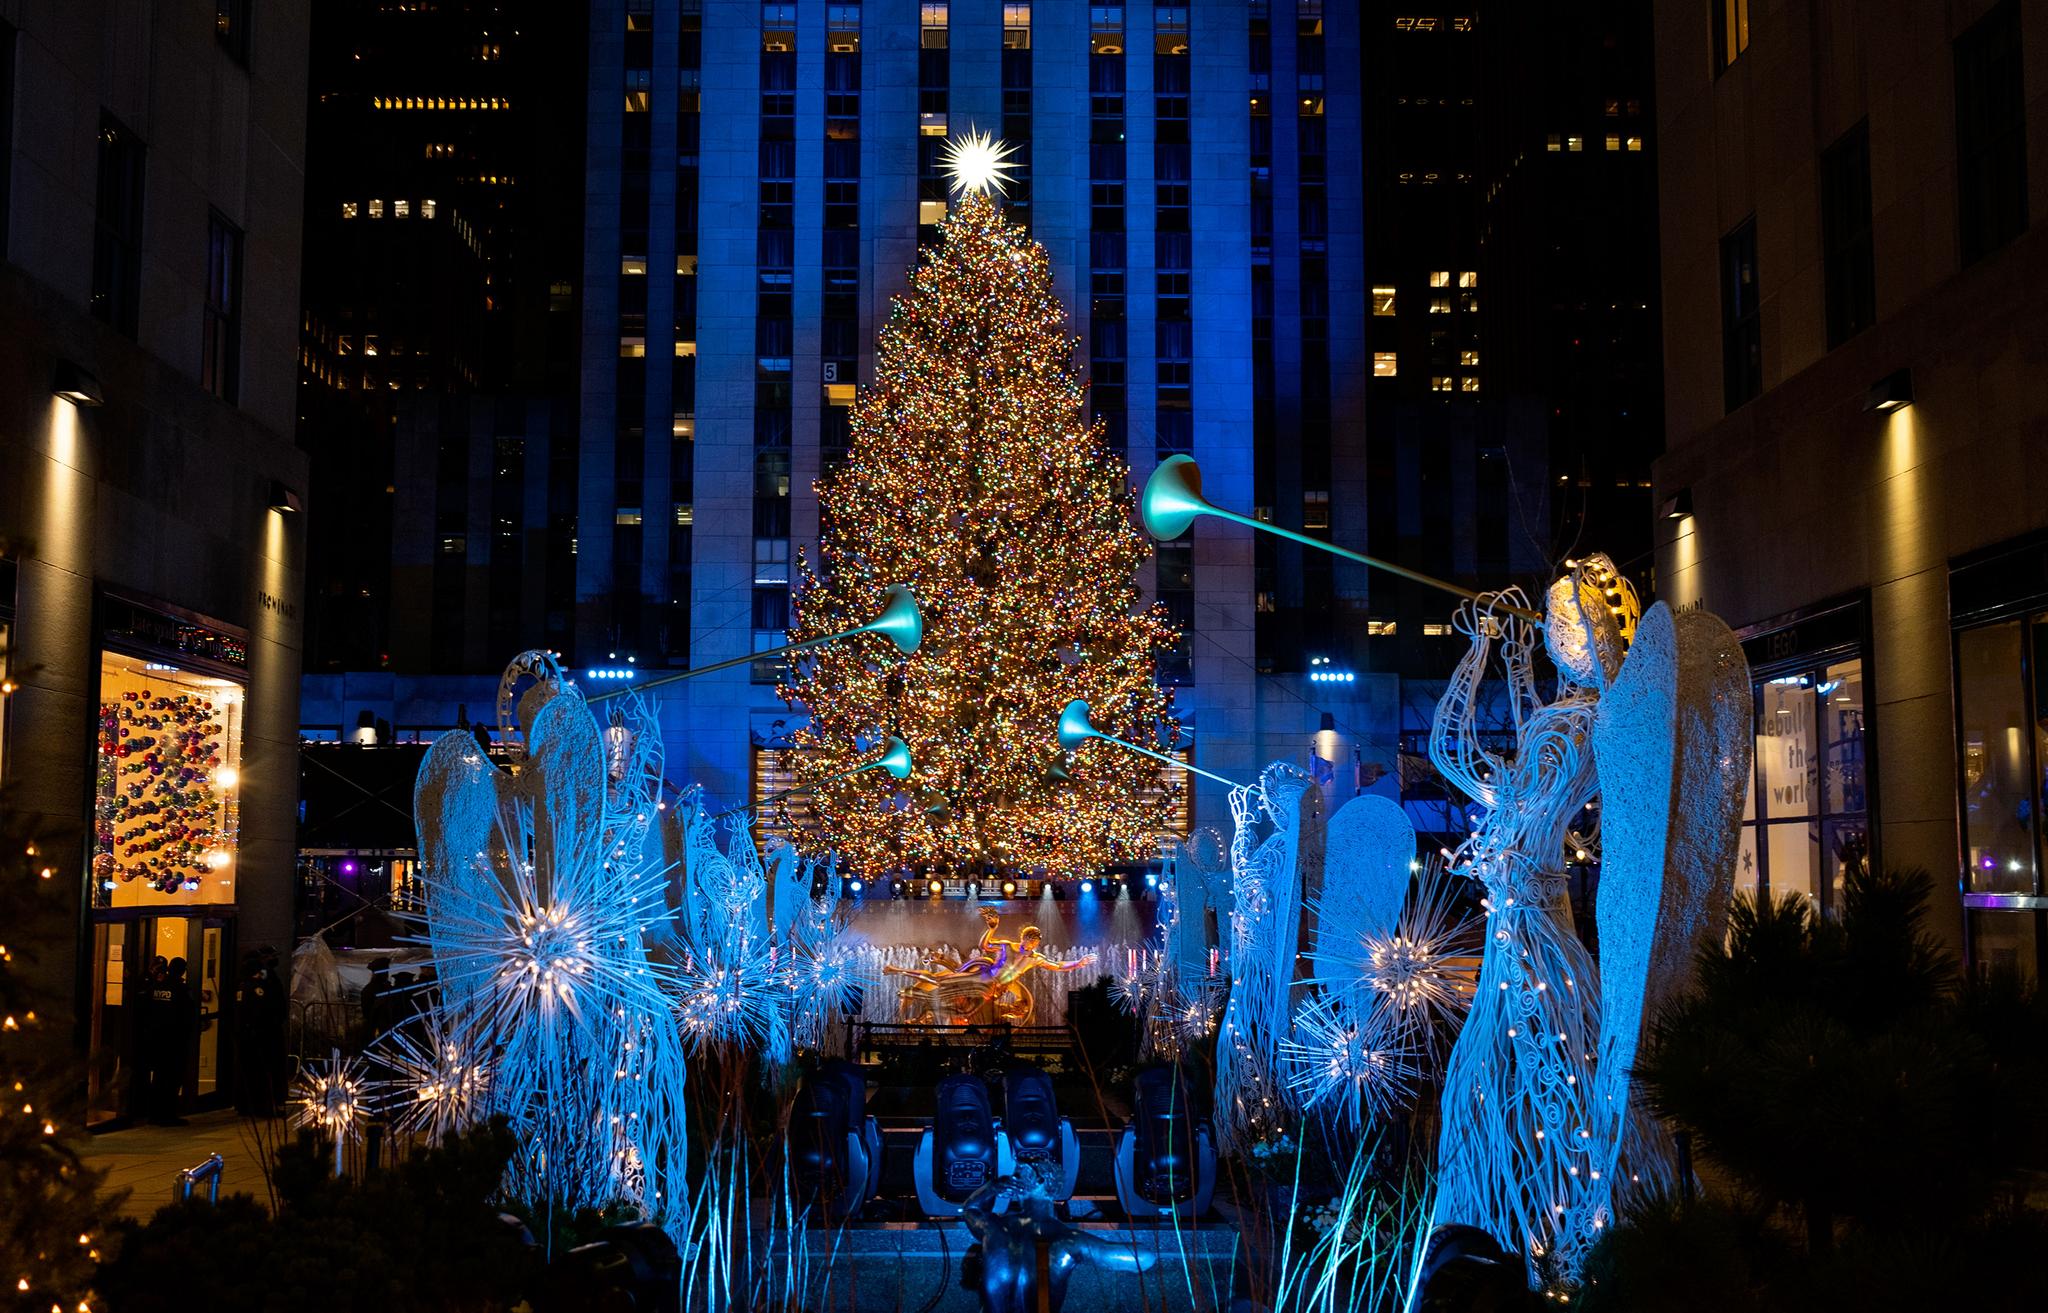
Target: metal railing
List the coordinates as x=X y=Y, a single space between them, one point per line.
x=209 y=1172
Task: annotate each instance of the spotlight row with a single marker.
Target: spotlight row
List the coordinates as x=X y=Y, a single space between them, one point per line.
x=1109 y=886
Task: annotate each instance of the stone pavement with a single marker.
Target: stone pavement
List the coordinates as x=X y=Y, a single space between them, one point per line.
x=146 y=1160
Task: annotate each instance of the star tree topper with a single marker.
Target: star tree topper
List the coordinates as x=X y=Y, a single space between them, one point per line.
x=977 y=162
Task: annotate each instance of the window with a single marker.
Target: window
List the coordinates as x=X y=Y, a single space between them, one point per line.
x=1385 y=364
x=1742 y=348
x=1846 y=259
x=1469 y=359
x=349 y=209
x=1574 y=143
x=197 y=721
x=1554 y=142
x=1468 y=383
x=1382 y=628
x=427 y=208
x=1991 y=134
x=933 y=22
x=1635 y=143
x=376 y=209
x=220 y=356
x=1016 y=24
x=1614 y=141
x=1440 y=278
x=1440 y=383
x=1439 y=305
x=1806 y=821
x=6 y=128
x=401 y=209
x=628 y=515
x=117 y=228
x=1731 y=30
x=231 y=28
x=1382 y=301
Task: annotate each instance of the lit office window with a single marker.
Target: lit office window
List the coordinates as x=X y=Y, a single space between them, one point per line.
x=1468 y=358
x=1440 y=383
x=1468 y=383
x=1382 y=301
x=1731 y=29
x=376 y=209
x=1384 y=364
x=349 y=209
x=1574 y=143
x=1469 y=278
x=933 y=19
x=1439 y=278
x=1017 y=24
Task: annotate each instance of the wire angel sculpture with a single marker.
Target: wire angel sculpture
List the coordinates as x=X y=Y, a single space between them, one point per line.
x=1265 y=917
x=1521 y=1121
x=541 y=903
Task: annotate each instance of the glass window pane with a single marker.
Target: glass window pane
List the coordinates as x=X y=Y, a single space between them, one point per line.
x=1745 y=864
x=1847 y=848
x=1793 y=854
x=167 y=783
x=2038 y=636
x=1840 y=701
x=1785 y=759
x=2006 y=942
x=1998 y=784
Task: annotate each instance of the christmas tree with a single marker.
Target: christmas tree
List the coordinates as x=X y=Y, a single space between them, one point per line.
x=49 y=1216
x=972 y=476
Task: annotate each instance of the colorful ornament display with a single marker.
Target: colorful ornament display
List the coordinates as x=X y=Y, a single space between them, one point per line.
x=158 y=818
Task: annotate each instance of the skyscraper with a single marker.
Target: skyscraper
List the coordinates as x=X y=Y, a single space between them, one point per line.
x=761 y=177
x=438 y=341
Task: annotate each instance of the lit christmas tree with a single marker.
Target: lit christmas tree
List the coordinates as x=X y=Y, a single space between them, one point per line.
x=49 y=1216
x=973 y=477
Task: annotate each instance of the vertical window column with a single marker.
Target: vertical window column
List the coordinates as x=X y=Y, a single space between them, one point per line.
x=629 y=435
x=1313 y=227
x=1107 y=261
x=839 y=314
x=1173 y=319
x=683 y=369
x=1265 y=452
x=934 y=104
x=1017 y=107
x=774 y=335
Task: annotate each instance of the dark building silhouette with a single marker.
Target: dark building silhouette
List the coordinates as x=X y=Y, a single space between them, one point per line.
x=438 y=342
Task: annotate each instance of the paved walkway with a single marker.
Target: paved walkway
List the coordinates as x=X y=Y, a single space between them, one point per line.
x=146 y=1160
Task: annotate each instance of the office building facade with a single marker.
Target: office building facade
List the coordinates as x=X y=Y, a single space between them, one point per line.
x=1854 y=310
x=150 y=514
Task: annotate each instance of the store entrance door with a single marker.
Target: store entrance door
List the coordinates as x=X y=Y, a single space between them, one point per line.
x=159 y=1011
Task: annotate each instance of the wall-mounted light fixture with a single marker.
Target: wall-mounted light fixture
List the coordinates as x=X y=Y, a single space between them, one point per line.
x=1892 y=392
x=76 y=385
x=1677 y=506
x=283 y=500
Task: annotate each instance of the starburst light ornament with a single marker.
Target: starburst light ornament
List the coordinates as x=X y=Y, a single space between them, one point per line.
x=1347 y=1063
x=977 y=162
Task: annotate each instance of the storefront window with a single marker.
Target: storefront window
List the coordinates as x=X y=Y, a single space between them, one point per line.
x=167 y=778
x=6 y=646
x=1998 y=744
x=1806 y=821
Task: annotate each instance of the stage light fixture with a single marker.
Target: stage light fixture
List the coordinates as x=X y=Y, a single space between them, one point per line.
x=853 y=886
x=1009 y=888
x=1087 y=886
x=936 y=887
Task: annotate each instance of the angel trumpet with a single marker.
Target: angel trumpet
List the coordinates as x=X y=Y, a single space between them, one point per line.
x=901 y=622
x=895 y=759
x=1173 y=500
x=1075 y=729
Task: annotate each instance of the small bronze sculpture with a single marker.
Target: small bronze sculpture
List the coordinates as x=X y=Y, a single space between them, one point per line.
x=1009 y=1271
